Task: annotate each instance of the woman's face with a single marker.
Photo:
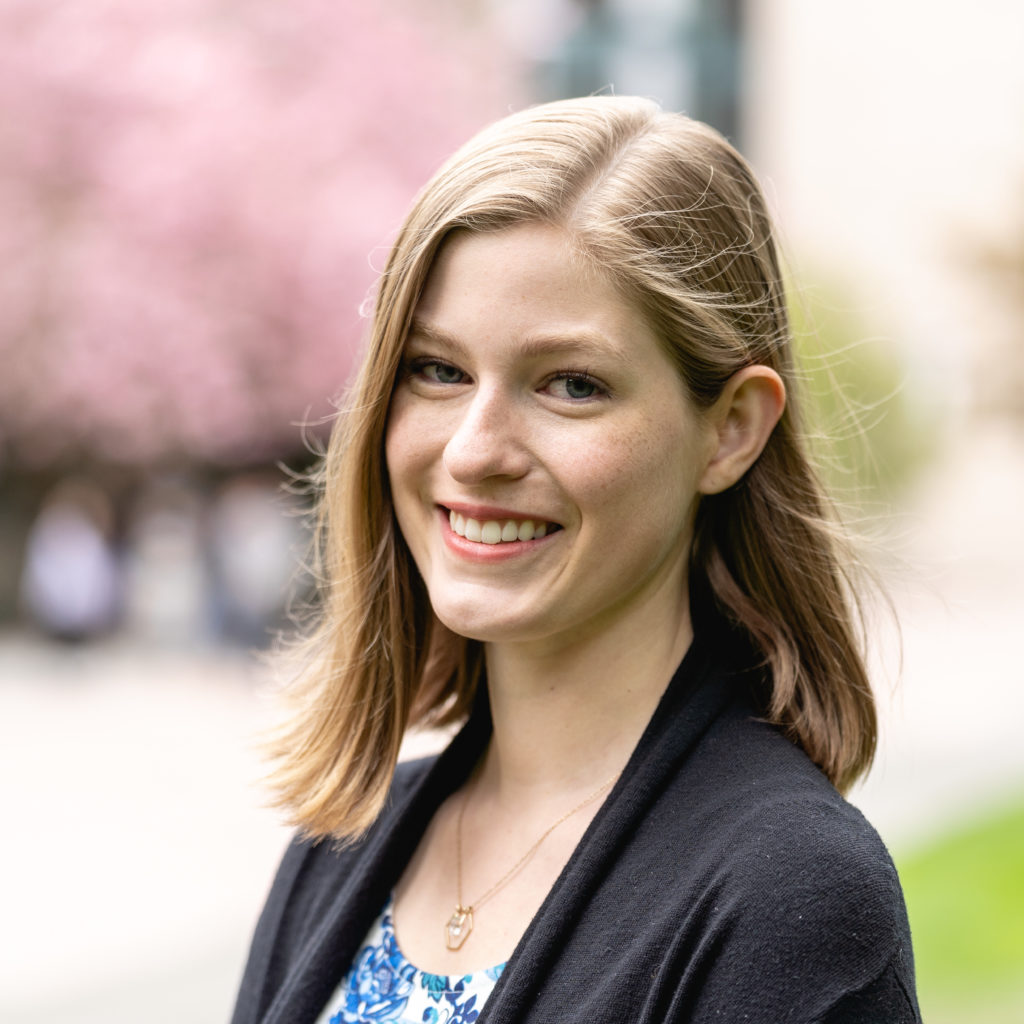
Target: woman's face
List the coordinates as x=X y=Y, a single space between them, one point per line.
x=543 y=455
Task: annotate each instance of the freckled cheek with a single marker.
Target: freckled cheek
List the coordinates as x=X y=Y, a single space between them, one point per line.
x=620 y=460
x=395 y=453
x=407 y=475
x=646 y=477
x=412 y=444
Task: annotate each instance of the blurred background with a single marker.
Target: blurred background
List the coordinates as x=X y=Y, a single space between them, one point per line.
x=195 y=197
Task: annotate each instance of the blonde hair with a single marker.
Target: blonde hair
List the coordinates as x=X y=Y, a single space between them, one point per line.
x=668 y=209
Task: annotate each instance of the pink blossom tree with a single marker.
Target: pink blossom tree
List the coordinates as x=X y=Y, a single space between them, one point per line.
x=195 y=196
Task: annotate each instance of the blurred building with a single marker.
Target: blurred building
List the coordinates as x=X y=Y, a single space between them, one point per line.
x=890 y=137
x=687 y=54
x=887 y=135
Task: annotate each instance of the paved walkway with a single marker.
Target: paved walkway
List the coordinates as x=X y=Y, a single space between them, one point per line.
x=136 y=852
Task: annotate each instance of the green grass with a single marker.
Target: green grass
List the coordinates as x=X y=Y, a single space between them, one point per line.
x=965 y=898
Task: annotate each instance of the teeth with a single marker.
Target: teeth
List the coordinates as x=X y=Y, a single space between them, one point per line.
x=492 y=531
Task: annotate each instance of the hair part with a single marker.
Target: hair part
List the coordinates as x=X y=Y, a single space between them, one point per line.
x=669 y=212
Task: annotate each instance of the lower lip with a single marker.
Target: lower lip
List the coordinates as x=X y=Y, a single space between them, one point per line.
x=476 y=551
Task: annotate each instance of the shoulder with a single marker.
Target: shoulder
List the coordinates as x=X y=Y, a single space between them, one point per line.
x=408 y=775
x=813 y=877
x=775 y=823
x=312 y=865
x=309 y=879
x=794 y=874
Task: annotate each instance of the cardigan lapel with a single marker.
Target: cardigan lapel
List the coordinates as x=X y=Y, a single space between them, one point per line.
x=694 y=699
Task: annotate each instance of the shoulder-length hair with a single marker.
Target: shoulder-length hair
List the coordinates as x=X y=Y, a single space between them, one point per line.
x=674 y=216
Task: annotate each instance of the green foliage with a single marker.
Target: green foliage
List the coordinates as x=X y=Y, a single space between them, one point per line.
x=965 y=898
x=870 y=430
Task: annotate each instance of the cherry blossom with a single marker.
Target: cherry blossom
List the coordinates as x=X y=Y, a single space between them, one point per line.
x=195 y=196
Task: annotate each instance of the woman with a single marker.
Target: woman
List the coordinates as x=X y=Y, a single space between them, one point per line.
x=569 y=500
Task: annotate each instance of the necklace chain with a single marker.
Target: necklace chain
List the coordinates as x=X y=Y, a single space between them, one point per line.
x=460 y=924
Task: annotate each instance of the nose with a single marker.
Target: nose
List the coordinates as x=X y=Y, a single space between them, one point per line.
x=487 y=440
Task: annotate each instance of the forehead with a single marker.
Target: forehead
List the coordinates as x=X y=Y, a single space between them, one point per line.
x=521 y=280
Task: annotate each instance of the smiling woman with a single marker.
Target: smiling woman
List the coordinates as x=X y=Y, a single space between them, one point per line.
x=489 y=431
x=569 y=504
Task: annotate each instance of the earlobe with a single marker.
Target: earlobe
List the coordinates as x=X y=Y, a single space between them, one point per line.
x=742 y=420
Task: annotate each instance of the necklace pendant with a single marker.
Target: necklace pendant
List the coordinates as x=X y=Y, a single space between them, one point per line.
x=459 y=925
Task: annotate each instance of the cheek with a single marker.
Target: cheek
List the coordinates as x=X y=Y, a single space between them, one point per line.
x=404 y=476
x=401 y=459
x=395 y=451
x=405 y=447
x=644 y=479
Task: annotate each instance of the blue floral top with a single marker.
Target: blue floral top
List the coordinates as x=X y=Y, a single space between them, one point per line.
x=382 y=987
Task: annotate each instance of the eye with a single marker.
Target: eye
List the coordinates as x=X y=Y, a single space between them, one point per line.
x=574 y=386
x=435 y=371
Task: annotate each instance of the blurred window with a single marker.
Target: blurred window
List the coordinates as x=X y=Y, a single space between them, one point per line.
x=686 y=54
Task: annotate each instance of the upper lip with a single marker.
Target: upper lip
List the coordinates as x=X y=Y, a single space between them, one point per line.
x=483 y=513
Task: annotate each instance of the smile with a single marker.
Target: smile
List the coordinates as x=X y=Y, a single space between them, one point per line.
x=493 y=531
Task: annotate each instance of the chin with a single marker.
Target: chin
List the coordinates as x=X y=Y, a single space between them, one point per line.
x=478 y=628
x=472 y=624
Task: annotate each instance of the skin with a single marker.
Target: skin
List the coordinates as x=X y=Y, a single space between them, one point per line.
x=531 y=390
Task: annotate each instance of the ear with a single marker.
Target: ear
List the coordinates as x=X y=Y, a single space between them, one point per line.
x=741 y=421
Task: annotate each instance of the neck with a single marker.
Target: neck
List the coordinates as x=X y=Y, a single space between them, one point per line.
x=567 y=715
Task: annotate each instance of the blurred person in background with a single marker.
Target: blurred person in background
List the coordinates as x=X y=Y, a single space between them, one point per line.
x=166 y=572
x=570 y=505
x=252 y=546
x=70 y=583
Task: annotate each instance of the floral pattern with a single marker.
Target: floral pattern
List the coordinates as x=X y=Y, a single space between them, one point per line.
x=382 y=987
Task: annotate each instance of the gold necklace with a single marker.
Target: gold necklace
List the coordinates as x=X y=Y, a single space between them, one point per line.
x=460 y=924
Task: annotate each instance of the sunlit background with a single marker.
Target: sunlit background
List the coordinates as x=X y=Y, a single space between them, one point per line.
x=195 y=196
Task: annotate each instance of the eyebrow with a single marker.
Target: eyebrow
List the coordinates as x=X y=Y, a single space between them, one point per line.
x=584 y=342
x=429 y=332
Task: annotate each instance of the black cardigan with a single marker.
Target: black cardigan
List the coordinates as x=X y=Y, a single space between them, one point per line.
x=723 y=880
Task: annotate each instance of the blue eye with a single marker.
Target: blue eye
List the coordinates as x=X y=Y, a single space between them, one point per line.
x=576 y=387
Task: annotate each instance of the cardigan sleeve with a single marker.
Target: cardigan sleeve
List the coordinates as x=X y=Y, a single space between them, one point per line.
x=885 y=1000
x=266 y=964
x=302 y=898
x=814 y=926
